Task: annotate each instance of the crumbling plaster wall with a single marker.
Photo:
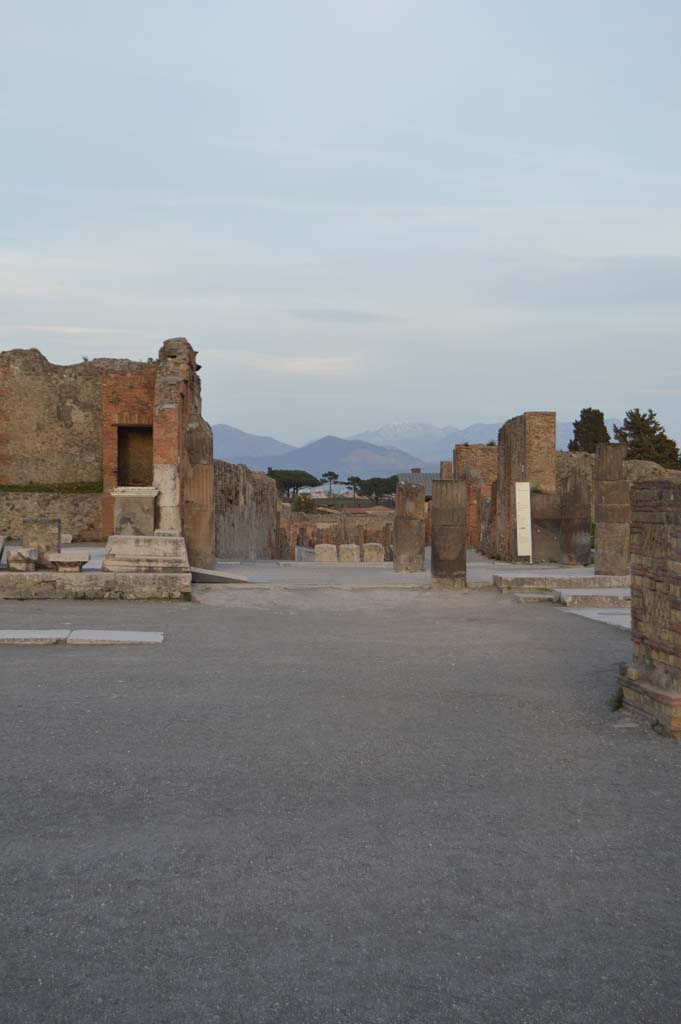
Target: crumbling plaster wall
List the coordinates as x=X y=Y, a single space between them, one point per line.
x=80 y=514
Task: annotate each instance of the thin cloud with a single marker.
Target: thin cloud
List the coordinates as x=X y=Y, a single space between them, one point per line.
x=342 y=316
x=64 y=329
x=294 y=366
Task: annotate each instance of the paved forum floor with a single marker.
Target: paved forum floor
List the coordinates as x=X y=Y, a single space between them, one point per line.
x=333 y=806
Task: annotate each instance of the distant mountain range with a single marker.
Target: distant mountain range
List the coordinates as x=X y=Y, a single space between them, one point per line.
x=393 y=448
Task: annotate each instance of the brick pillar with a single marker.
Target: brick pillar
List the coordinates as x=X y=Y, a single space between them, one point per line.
x=651 y=685
x=409 y=531
x=446 y=470
x=575 y=520
x=449 y=507
x=612 y=511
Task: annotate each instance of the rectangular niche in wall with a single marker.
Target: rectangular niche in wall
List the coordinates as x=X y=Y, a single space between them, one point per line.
x=135 y=456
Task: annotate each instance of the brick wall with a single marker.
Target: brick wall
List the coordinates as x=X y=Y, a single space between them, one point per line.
x=527 y=452
x=127 y=400
x=477 y=462
x=652 y=683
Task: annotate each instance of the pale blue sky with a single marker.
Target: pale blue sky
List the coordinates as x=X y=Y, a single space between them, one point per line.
x=358 y=212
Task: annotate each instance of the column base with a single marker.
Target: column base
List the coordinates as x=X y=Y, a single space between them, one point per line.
x=662 y=708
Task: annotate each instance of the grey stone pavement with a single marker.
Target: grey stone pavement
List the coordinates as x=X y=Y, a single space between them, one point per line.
x=332 y=806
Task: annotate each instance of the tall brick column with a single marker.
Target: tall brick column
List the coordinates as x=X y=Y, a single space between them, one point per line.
x=612 y=511
x=409 y=529
x=449 y=507
x=651 y=685
x=446 y=469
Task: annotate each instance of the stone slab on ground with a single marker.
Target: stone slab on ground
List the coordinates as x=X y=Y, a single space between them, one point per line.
x=620 y=617
x=33 y=636
x=113 y=636
x=506 y=581
x=534 y=596
x=114 y=586
x=594 y=597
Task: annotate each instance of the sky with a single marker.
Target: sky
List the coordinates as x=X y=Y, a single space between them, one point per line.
x=358 y=212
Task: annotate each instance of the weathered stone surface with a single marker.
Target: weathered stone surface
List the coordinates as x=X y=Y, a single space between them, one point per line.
x=297 y=529
x=65 y=561
x=409 y=531
x=42 y=533
x=348 y=552
x=3 y=542
x=114 y=586
x=80 y=514
x=325 y=553
x=246 y=513
x=651 y=685
x=156 y=554
x=575 y=518
x=373 y=553
x=22 y=559
x=449 y=528
x=612 y=510
x=33 y=636
x=134 y=510
x=446 y=469
x=546 y=523
x=409 y=545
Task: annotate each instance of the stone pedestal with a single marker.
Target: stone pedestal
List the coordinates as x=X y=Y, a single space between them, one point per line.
x=449 y=508
x=161 y=553
x=612 y=511
x=373 y=553
x=348 y=552
x=134 y=511
x=67 y=562
x=42 y=533
x=325 y=553
x=409 y=531
x=651 y=684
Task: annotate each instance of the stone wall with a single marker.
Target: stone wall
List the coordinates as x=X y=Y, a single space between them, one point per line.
x=80 y=514
x=476 y=463
x=298 y=529
x=527 y=452
x=652 y=683
x=51 y=424
x=246 y=513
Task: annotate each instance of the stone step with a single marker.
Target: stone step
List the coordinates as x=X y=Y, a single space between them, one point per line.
x=506 y=582
x=534 y=596
x=594 y=597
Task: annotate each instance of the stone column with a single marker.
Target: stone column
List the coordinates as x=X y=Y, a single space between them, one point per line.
x=449 y=508
x=409 y=531
x=612 y=511
x=651 y=685
x=575 y=520
x=446 y=470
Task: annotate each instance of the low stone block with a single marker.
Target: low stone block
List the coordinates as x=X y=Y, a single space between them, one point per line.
x=22 y=559
x=113 y=636
x=325 y=553
x=42 y=533
x=373 y=553
x=348 y=552
x=129 y=553
x=33 y=636
x=66 y=561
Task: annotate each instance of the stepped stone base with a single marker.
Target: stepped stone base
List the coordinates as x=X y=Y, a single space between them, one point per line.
x=96 y=586
x=157 y=554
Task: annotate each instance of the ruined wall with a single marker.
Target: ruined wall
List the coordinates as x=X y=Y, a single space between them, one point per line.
x=652 y=683
x=51 y=422
x=127 y=400
x=475 y=462
x=307 y=530
x=246 y=513
x=80 y=514
x=527 y=452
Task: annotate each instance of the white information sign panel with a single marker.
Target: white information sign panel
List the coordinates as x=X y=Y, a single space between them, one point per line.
x=523 y=520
